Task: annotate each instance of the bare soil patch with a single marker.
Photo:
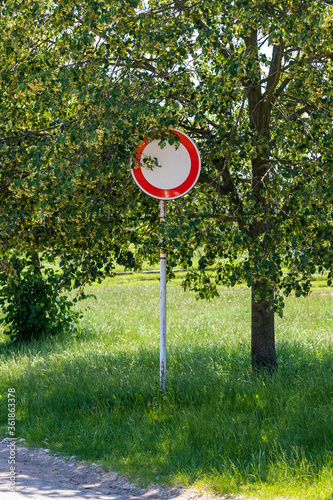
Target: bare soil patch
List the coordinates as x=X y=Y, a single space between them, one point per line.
x=40 y=475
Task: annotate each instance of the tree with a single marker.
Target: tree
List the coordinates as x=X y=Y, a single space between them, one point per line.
x=250 y=80
x=58 y=169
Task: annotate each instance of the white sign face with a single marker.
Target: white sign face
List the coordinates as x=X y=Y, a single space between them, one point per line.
x=168 y=175
x=178 y=171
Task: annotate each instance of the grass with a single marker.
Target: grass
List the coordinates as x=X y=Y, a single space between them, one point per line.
x=218 y=426
x=151 y=274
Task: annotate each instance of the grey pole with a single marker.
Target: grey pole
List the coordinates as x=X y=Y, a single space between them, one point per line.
x=163 y=306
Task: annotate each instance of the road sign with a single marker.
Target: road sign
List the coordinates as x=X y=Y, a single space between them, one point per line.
x=178 y=171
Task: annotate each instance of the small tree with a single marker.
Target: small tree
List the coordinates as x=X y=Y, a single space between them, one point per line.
x=31 y=299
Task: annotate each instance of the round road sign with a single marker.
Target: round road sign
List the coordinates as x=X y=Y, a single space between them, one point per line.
x=178 y=171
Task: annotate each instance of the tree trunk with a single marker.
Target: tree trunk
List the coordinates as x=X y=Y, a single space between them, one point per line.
x=36 y=263
x=263 y=335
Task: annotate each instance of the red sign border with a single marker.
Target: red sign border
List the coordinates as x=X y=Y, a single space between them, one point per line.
x=177 y=191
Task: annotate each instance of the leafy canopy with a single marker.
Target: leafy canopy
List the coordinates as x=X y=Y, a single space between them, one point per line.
x=251 y=81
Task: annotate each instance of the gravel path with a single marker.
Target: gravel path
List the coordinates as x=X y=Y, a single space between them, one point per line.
x=40 y=476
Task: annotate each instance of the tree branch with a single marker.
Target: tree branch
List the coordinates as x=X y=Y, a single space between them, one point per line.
x=275 y=69
x=227 y=218
x=220 y=189
x=39 y=131
x=283 y=85
x=298 y=113
x=195 y=130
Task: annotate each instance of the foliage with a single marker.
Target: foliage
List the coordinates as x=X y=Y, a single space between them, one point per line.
x=58 y=169
x=250 y=80
x=32 y=303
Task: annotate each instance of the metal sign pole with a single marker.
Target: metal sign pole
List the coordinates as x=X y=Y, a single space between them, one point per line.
x=163 y=204
x=178 y=172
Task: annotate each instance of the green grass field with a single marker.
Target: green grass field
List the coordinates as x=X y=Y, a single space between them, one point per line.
x=95 y=394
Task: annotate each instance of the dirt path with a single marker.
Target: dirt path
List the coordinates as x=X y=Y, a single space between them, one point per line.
x=40 y=476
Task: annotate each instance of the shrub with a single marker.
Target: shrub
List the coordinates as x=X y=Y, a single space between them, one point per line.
x=33 y=304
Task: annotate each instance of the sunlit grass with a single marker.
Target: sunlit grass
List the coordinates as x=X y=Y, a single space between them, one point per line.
x=96 y=394
x=151 y=274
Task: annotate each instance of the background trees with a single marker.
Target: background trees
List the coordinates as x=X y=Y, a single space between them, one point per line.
x=57 y=166
x=250 y=81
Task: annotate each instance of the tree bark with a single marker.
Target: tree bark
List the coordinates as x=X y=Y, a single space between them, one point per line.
x=36 y=263
x=263 y=335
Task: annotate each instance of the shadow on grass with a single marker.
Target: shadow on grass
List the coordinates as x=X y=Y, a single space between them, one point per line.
x=216 y=419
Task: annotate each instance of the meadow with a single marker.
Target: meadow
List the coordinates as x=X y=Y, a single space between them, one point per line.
x=94 y=393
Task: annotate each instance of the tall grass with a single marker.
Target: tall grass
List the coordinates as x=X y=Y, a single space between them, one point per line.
x=96 y=394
